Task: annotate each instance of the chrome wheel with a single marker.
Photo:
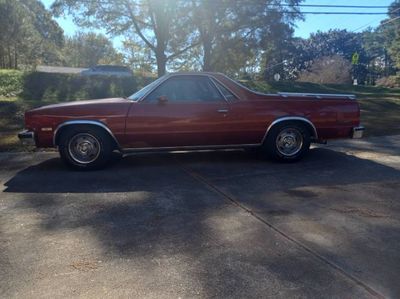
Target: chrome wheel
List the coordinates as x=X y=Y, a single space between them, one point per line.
x=84 y=148
x=289 y=142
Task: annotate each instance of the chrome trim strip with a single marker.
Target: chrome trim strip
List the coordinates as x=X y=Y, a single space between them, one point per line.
x=188 y=148
x=286 y=118
x=219 y=90
x=84 y=122
x=318 y=95
x=230 y=90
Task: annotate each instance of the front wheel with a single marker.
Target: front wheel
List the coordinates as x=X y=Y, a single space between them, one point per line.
x=85 y=148
x=287 y=142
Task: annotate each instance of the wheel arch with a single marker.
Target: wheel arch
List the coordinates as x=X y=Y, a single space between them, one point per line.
x=91 y=123
x=310 y=126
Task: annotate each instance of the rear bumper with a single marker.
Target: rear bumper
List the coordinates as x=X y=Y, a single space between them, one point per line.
x=358 y=132
x=27 y=137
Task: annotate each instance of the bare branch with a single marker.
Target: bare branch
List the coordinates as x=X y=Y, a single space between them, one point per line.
x=183 y=50
x=137 y=28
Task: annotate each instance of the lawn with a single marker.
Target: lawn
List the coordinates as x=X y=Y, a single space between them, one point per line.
x=380 y=108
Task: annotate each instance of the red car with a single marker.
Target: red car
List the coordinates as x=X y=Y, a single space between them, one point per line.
x=192 y=111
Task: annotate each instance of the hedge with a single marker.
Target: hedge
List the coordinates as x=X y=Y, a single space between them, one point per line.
x=70 y=87
x=51 y=87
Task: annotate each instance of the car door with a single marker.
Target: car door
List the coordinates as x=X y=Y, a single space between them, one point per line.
x=184 y=110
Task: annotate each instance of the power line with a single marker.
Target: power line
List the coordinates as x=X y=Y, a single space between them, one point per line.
x=330 y=12
x=366 y=25
x=390 y=21
x=369 y=23
x=332 y=6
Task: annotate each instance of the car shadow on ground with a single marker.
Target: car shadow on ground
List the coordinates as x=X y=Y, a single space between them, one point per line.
x=148 y=172
x=153 y=211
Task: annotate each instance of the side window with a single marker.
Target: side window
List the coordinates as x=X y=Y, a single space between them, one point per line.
x=227 y=94
x=186 y=89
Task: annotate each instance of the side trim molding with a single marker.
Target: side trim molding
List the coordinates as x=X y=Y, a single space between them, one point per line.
x=188 y=148
x=84 y=122
x=288 y=118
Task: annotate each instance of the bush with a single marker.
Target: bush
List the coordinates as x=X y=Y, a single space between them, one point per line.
x=328 y=69
x=70 y=87
x=390 y=81
x=11 y=82
x=50 y=87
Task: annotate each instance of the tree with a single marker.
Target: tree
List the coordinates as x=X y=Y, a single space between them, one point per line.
x=138 y=57
x=379 y=61
x=278 y=50
x=391 y=30
x=209 y=34
x=154 y=23
x=232 y=33
x=331 y=43
x=89 y=49
x=328 y=69
x=28 y=34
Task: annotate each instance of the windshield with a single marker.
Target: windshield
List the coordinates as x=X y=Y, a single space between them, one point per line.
x=139 y=94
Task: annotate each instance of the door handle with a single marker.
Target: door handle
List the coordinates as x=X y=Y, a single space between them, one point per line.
x=222 y=110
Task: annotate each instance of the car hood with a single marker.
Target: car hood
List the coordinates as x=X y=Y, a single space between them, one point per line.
x=84 y=109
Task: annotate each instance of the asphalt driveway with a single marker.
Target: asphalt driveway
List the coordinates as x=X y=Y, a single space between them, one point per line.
x=221 y=224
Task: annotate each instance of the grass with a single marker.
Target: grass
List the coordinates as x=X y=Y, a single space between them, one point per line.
x=380 y=108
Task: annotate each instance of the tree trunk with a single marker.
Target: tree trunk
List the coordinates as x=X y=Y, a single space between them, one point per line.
x=15 y=58
x=2 y=59
x=161 y=63
x=9 y=58
x=207 y=65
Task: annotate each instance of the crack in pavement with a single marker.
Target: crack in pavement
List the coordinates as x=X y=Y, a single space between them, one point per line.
x=232 y=200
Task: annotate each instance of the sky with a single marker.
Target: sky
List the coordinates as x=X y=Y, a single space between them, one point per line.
x=312 y=23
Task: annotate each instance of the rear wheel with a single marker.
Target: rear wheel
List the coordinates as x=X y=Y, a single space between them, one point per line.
x=85 y=148
x=287 y=142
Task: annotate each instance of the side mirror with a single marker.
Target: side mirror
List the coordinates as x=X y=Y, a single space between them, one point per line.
x=162 y=100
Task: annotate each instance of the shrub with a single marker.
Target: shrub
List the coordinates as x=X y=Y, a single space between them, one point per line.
x=11 y=82
x=50 y=87
x=390 y=81
x=69 y=87
x=328 y=69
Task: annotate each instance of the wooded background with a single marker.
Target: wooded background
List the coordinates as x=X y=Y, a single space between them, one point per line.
x=242 y=38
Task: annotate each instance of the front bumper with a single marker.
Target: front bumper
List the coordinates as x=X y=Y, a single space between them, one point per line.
x=27 y=137
x=358 y=132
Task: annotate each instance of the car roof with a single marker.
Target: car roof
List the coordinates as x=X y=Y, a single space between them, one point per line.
x=194 y=73
x=110 y=66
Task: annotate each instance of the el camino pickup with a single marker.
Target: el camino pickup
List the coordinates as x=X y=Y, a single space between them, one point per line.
x=192 y=111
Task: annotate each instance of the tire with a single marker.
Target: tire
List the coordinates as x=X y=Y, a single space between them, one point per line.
x=85 y=148
x=287 y=142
